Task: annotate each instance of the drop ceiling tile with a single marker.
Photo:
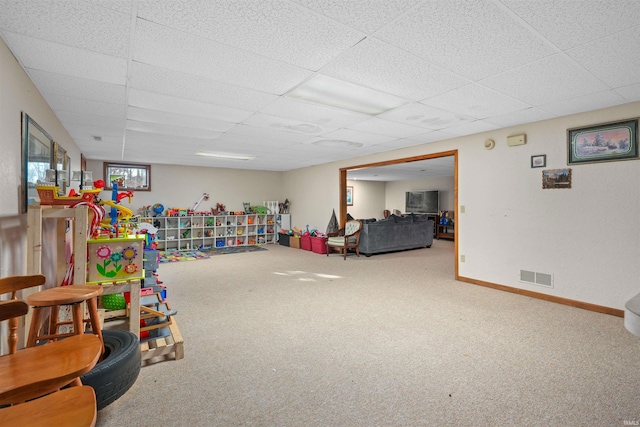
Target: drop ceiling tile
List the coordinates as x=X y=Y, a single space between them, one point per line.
x=360 y=14
x=80 y=88
x=630 y=93
x=549 y=80
x=387 y=127
x=357 y=136
x=67 y=60
x=69 y=103
x=381 y=66
x=184 y=85
x=105 y=153
x=286 y=125
x=72 y=23
x=171 y=104
x=275 y=29
x=572 y=23
x=313 y=113
x=475 y=101
x=593 y=101
x=267 y=133
x=175 y=50
x=474 y=38
x=472 y=128
x=431 y=137
x=165 y=129
x=528 y=115
x=173 y=119
x=614 y=59
x=425 y=116
x=122 y=6
x=69 y=118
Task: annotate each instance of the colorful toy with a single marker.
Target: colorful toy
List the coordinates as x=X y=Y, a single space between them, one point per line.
x=205 y=196
x=49 y=190
x=114 y=302
x=158 y=209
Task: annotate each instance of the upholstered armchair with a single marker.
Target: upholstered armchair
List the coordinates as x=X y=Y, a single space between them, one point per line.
x=347 y=238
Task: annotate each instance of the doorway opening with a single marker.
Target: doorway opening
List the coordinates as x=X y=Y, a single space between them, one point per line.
x=397 y=166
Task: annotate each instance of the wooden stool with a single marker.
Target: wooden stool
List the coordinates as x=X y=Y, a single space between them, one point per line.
x=73 y=295
x=72 y=406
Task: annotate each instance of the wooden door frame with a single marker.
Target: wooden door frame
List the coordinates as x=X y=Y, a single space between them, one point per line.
x=454 y=153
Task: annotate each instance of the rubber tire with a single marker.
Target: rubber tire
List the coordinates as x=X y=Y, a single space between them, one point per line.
x=119 y=368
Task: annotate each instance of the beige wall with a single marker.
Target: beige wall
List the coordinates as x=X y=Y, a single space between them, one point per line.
x=587 y=237
x=395 y=191
x=182 y=186
x=371 y=198
x=17 y=95
x=368 y=201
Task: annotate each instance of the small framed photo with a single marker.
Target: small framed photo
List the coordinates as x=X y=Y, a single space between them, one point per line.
x=539 y=161
x=556 y=178
x=603 y=143
x=349 y=196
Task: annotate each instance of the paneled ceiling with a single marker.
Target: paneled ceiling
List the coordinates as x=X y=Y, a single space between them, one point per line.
x=157 y=81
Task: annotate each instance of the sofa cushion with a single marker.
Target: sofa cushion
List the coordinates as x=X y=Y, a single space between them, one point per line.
x=419 y=218
x=398 y=218
x=368 y=220
x=386 y=220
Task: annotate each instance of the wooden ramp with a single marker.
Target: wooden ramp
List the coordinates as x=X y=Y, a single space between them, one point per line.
x=165 y=344
x=160 y=338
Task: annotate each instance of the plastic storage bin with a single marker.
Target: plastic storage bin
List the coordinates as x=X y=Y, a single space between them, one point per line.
x=283 y=239
x=319 y=245
x=305 y=242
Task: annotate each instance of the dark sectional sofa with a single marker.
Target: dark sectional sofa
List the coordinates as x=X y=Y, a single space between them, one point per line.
x=396 y=233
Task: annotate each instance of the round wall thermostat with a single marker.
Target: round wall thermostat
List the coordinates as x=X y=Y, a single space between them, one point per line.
x=489 y=144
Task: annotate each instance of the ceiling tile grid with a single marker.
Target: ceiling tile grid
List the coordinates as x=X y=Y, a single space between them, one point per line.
x=475 y=38
x=183 y=76
x=615 y=59
x=571 y=23
x=551 y=79
x=387 y=68
x=360 y=14
x=48 y=56
x=78 y=87
x=88 y=106
x=277 y=29
x=183 y=85
x=190 y=54
x=74 y=23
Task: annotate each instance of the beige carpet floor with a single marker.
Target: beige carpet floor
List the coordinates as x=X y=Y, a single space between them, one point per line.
x=286 y=337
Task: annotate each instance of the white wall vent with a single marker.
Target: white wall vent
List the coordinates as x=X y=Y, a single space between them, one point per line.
x=535 y=278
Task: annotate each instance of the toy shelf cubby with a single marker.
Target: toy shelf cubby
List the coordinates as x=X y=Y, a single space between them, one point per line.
x=196 y=231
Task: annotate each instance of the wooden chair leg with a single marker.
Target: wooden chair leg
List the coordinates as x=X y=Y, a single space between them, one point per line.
x=53 y=320
x=78 y=319
x=92 y=305
x=35 y=327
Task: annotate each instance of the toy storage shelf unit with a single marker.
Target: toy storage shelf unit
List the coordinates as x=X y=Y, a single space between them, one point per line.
x=195 y=231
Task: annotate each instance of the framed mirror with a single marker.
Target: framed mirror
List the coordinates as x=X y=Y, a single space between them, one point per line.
x=37 y=149
x=61 y=165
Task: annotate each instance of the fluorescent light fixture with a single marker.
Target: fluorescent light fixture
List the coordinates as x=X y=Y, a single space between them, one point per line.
x=348 y=96
x=229 y=156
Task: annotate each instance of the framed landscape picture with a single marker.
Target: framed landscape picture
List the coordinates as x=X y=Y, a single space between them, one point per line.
x=556 y=178
x=603 y=143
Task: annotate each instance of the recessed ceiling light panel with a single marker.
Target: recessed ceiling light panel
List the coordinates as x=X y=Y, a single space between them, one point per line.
x=347 y=96
x=228 y=156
